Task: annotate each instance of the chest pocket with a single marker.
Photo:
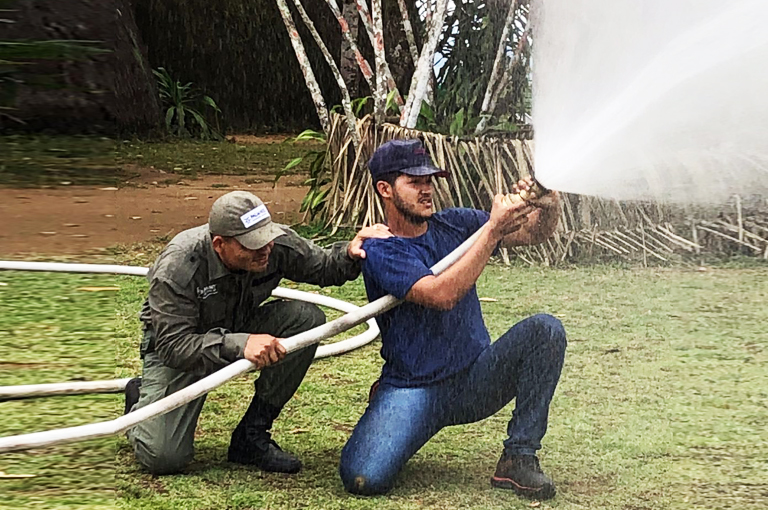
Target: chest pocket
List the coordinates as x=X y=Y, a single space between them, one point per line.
x=213 y=313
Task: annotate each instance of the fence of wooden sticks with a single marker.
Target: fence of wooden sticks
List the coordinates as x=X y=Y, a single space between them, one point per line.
x=590 y=228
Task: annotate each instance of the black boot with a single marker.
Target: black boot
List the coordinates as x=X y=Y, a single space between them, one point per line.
x=252 y=443
x=522 y=474
x=132 y=393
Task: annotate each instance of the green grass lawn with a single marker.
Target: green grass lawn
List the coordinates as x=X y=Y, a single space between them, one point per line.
x=58 y=161
x=662 y=403
x=193 y=157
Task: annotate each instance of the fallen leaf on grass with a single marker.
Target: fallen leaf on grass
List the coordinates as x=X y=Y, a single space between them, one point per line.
x=108 y=189
x=535 y=504
x=298 y=431
x=488 y=300
x=99 y=289
x=8 y=476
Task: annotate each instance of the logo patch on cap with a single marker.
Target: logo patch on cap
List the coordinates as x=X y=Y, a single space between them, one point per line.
x=254 y=216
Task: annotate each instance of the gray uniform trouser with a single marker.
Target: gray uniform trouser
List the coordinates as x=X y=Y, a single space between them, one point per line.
x=165 y=444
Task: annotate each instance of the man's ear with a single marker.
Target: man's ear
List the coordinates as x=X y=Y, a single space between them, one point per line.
x=217 y=242
x=384 y=189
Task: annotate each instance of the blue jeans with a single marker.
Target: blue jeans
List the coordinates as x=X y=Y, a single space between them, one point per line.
x=525 y=363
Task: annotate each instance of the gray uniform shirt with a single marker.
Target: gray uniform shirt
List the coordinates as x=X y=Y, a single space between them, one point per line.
x=198 y=309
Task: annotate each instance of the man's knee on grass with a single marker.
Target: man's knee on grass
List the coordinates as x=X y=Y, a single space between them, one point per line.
x=362 y=485
x=549 y=331
x=364 y=479
x=161 y=461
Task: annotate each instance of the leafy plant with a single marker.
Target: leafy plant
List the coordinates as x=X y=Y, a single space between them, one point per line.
x=468 y=49
x=426 y=119
x=315 y=200
x=358 y=104
x=182 y=100
x=458 y=125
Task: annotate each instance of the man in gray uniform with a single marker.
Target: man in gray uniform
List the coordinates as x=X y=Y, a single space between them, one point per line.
x=205 y=311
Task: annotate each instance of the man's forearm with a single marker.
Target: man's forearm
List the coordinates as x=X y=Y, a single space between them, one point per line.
x=201 y=353
x=540 y=227
x=445 y=290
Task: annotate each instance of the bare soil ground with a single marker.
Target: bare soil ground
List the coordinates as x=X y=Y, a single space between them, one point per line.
x=151 y=205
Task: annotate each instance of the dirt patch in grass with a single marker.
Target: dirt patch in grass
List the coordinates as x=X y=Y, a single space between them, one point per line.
x=73 y=195
x=151 y=205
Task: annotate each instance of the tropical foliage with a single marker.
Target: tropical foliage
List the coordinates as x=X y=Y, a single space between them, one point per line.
x=466 y=56
x=184 y=105
x=314 y=202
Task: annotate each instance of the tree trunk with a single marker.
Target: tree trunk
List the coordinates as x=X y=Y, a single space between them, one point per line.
x=306 y=66
x=346 y=102
x=424 y=69
x=380 y=95
x=106 y=93
x=485 y=110
x=367 y=19
x=349 y=68
x=408 y=29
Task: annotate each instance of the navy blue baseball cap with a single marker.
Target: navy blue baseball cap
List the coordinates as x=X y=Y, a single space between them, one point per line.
x=403 y=156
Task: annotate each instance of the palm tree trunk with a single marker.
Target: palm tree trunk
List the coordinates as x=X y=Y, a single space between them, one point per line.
x=306 y=67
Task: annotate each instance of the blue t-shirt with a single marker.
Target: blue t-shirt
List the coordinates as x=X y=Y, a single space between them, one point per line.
x=423 y=345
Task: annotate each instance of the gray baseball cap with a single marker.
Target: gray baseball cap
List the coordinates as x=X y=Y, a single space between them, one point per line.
x=244 y=216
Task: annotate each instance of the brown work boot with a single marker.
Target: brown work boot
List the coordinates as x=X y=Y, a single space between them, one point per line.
x=522 y=474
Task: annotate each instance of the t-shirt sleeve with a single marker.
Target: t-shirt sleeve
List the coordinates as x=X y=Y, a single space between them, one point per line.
x=473 y=219
x=392 y=266
x=470 y=220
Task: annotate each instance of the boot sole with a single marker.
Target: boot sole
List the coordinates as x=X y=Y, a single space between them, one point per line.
x=546 y=492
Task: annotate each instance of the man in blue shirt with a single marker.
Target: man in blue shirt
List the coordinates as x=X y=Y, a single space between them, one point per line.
x=440 y=366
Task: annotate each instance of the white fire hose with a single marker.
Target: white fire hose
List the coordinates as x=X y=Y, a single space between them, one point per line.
x=354 y=317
